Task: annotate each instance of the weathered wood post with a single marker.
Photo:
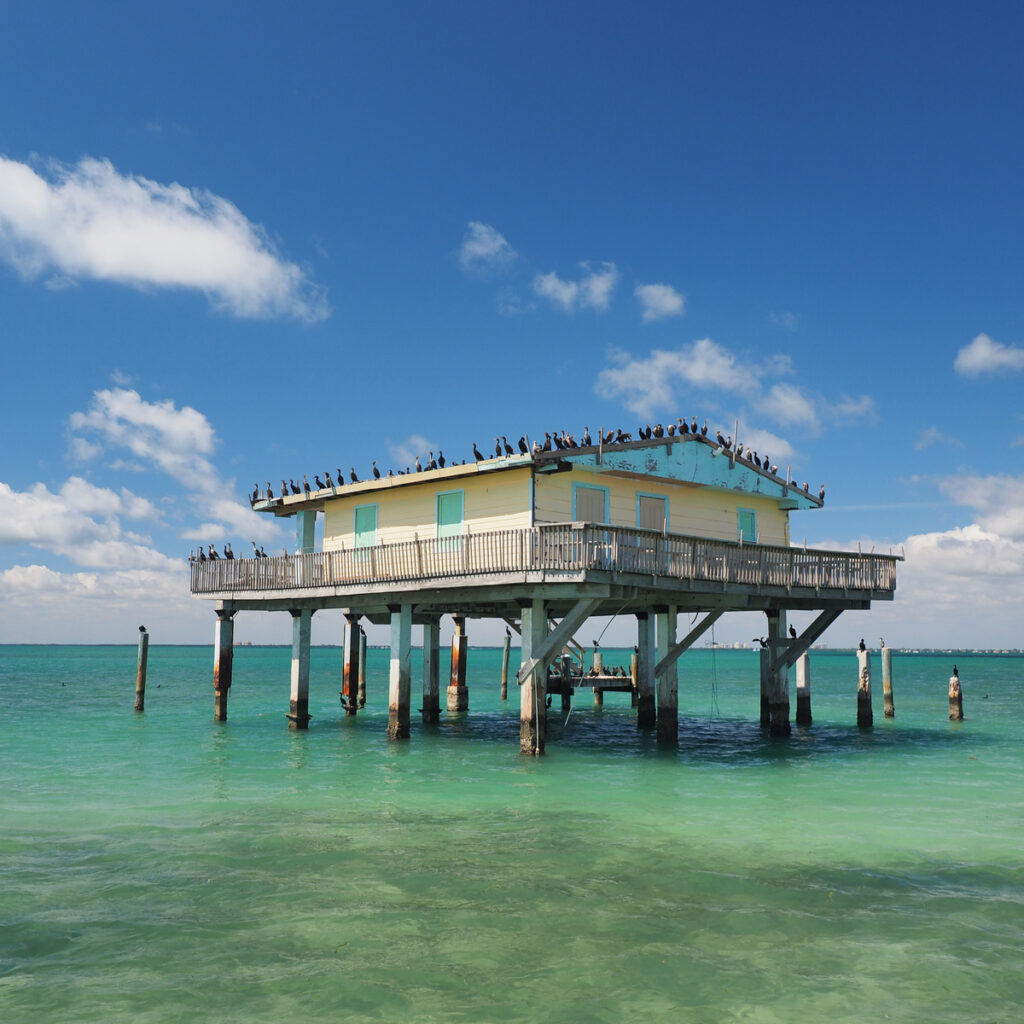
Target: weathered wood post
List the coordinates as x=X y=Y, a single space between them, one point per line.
x=298 y=711
x=865 y=719
x=646 y=714
x=400 y=679
x=778 y=677
x=803 y=689
x=890 y=707
x=956 y=697
x=634 y=678
x=431 y=670
x=140 y=671
x=505 y=648
x=362 y=668
x=668 y=681
x=350 y=665
x=598 y=671
x=223 y=651
x=532 y=695
x=458 y=692
x=566 y=682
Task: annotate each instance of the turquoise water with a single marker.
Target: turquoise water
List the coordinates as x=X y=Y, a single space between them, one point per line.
x=162 y=867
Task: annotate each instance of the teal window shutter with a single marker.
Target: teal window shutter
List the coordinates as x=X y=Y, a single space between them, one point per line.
x=450 y=514
x=746 y=525
x=366 y=526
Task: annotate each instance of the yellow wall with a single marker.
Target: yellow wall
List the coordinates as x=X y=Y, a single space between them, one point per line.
x=701 y=511
x=493 y=501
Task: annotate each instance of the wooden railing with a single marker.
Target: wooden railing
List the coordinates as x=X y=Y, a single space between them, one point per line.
x=569 y=548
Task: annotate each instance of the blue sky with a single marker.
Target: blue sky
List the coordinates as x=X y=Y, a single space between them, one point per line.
x=241 y=242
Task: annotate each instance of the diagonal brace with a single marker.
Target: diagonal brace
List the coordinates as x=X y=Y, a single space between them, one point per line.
x=793 y=650
x=689 y=640
x=578 y=614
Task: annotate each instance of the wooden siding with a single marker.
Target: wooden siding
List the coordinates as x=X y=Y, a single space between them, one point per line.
x=693 y=511
x=493 y=501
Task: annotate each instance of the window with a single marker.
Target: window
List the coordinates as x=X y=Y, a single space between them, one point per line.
x=365 y=526
x=450 y=507
x=746 y=525
x=651 y=512
x=589 y=504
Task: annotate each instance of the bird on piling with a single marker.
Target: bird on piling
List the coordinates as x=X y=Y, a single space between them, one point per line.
x=477 y=454
x=376 y=471
x=352 y=475
x=440 y=458
x=305 y=485
x=862 y=646
x=228 y=553
x=319 y=483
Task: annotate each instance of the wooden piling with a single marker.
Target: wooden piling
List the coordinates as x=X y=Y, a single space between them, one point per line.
x=361 y=692
x=505 y=648
x=890 y=707
x=668 y=681
x=298 y=710
x=865 y=719
x=956 y=697
x=431 y=670
x=140 y=671
x=634 y=678
x=458 y=692
x=803 y=689
x=598 y=671
x=223 y=654
x=350 y=665
x=646 y=713
x=532 y=691
x=775 y=676
x=566 y=683
x=399 y=683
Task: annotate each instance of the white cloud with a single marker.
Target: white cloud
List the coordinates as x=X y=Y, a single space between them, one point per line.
x=89 y=221
x=483 y=249
x=404 y=452
x=787 y=321
x=659 y=301
x=790 y=406
x=932 y=435
x=769 y=446
x=846 y=408
x=594 y=291
x=983 y=355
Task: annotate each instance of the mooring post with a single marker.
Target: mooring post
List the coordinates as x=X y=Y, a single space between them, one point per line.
x=956 y=697
x=140 y=671
x=598 y=671
x=803 y=689
x=399 y=686
x=298 y=710
x=778 y=681
x=668 y=681
x=458 y=692
x=505 y=649
x=646 y=714
x=532 y=691
x=865 y=719
x=566 y=682
x=634 y=678
x=350 y=665
x=431 y=675
x=890 y=707
x=362 y=668
x=223 y=652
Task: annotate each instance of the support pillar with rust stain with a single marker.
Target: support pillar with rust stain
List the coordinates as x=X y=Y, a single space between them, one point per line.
x=777 y=683
x=400 y=679
x=458 y=692
x=865 y=719
x=223 y=652
x=140 y=670
x=361 y=689
x=668 y=681
x=350 y=665
x=566 y=682
x=298 y=710
x=532 y=692
x=505 y=649
x=890 y=707
x=634 y=678
x=646 y=713
x=803 y=689
x=431 y=670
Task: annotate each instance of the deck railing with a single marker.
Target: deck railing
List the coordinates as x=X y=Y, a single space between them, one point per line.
x=569 y=548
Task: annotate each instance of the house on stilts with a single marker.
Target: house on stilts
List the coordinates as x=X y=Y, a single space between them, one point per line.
x=545 y=540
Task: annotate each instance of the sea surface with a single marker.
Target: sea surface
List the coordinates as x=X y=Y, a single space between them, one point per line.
x=161 y=867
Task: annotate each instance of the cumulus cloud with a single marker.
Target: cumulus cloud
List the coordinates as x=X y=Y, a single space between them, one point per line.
x=787 y=321
x=790 y=406
x=88 y=221
x=484 y=249
x=593 y=291
x=983 y=355
x=932 y=435
x=404 y=452
x=659 y=301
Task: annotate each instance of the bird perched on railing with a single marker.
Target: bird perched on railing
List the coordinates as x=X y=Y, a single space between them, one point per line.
x=228 y=553
x=213 y=556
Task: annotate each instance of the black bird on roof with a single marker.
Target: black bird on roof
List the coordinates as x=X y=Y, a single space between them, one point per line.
x=670 y=430
x=432 y=464
x=821 y=493
x=546 y=447
x=792 y=631
x=659 y=430
x=585 y=439
x=720 y=439
x=477 y=453
x=497 y=447
x=319 y=483
x=440 y=458
x=305 y=485
x=255 y=496
x=557 y=441
x=608 y=438
x=703 y=429
x=523 y=447
x=270 y=493
x=296 y=489
x=419 y=466
x=327 y=479
x=509 y=450
x=352 y=475
x=376 y=471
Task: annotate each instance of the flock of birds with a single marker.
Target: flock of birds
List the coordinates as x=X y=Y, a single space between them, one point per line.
x=212 y=555
x=553 y=441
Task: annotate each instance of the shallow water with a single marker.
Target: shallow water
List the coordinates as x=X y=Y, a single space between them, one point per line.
x=162 y=867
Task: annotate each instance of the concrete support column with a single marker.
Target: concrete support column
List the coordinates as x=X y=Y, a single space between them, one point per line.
x=361 y=688
x=646 y=714
x=890 y=707
x=778 y=681
x=532 y=693
x=431 y=670
x=668 y=681
x=399 y=686
x=458 y=692
x=350 y=665
x=298 y=711
x=223 y=651
x=865 y=719
x=803 y=689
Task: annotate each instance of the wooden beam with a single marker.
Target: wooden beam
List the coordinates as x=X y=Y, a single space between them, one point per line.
x=689 y=640
x=577 y=615
x=803 y=643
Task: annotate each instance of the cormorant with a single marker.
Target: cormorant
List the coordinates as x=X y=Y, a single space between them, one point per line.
x=821 y=493
x=497 y=447
x=213 y=554
x=792 y=631
x=670 y=430
x=201 y=556
x=255 y=495
x=476 y=453
x=419 y=466
x=305 y=485
x=863 y=646
x=720 y=439
x=557 y=441
x=319 y=483
x=659 y=430
x=228 y=553
x=585 y=440
x=546 y=447
x=296 y=489
x=352 y=475
x=703 y=429
x=270 y=493
x=142 y=629
x=807 y=487
x=509 y=450
x=523 y=448
x=440 y=458
x=376 y=471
